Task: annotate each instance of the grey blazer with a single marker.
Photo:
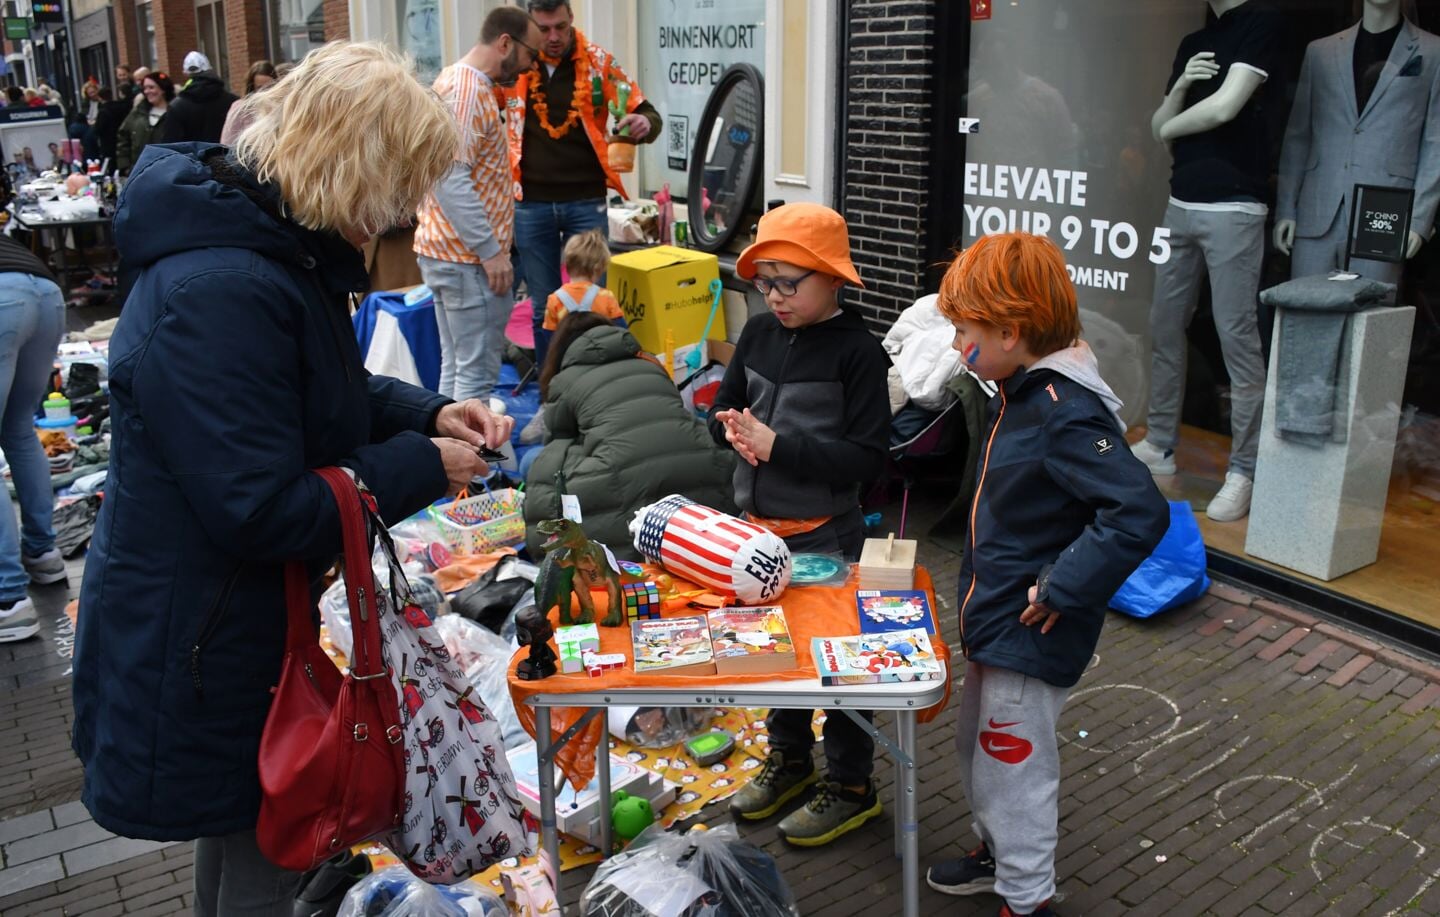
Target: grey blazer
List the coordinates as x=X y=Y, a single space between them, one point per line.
x=1330 y=148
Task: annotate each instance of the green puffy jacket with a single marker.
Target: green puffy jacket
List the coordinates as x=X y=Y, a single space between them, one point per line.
x=134 y=135
x=623 y=439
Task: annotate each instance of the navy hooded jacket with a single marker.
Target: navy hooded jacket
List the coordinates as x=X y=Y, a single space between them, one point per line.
x=233 y=369
x=1061 y=502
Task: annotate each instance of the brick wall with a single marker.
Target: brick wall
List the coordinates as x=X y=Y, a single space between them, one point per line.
x=176 y=35
x=244 y=40
x=888 y=133
x=337 y=20
x=127 y=47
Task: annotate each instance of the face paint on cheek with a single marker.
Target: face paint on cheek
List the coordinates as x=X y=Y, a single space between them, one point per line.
x=971 y=353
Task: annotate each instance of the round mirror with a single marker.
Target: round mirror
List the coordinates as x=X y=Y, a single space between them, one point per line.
x=725 y=162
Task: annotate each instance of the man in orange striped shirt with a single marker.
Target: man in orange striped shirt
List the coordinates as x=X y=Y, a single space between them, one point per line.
x=466 y=224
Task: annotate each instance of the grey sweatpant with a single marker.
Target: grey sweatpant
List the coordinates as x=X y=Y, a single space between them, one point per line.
x=1229 y=246
x=1010 y=768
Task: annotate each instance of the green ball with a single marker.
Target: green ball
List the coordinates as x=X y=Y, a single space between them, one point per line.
x=630 y=815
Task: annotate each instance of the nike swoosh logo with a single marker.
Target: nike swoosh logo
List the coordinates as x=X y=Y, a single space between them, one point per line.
x=995 y=725
x=1005 y=748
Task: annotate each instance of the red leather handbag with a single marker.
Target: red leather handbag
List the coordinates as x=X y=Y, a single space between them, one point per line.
x=331 y=758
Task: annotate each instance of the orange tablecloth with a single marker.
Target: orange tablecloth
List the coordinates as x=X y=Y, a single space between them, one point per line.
x=810 y=611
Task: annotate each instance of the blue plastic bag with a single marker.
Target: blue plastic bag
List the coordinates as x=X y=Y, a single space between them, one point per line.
x=1173 y=575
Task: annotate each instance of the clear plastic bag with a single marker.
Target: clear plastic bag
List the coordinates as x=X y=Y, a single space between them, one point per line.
x=700 y=874
x=394 y=892
x=335 y=608
x=484 y=657
x=658 y=727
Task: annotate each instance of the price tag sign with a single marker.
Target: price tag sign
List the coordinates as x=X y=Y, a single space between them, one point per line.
x=1380 y=223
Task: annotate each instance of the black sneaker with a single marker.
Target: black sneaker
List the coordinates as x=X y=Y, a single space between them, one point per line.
x=1044 y=910
x=777 y=783
x=972 y=875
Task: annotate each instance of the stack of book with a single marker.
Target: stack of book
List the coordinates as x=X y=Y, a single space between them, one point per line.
x=751 y=640
x=867 y=659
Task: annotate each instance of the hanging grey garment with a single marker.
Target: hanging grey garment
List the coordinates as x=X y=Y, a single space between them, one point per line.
x=586 y=302
x=1314 y=315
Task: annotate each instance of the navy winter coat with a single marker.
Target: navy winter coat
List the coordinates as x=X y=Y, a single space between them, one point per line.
x=1062 y=502
x=233 y=370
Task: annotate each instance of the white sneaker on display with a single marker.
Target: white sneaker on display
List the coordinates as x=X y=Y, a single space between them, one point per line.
x=1160 y=462
x=46 y=569
x=1233 y=500
x=19 y=621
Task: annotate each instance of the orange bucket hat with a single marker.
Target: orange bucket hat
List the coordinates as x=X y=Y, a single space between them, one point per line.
x=805 y=235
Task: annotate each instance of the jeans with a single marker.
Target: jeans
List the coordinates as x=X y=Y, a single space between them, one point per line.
x=233 y=879
x=849 y=750
x=32 y=319
x=541 y=231
x=1229 y=246
x=471 y=318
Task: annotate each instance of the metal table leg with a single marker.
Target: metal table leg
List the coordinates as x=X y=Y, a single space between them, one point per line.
x=907 y=817
x=906 y=827
x=549 y=836
x=602 y=770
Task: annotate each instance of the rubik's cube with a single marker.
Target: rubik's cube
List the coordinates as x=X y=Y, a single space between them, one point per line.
x=642 y=600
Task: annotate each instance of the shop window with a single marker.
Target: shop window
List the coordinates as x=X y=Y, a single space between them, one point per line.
x=295 y=26
x=1169 y=241
x=419 y=31
x=684 y=48
x=210 y=32
x=145 y=29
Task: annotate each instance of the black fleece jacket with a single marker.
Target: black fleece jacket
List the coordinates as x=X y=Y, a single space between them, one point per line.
x=822 y=390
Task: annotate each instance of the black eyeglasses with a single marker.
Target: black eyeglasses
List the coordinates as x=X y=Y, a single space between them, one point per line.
x=534 y=52
x=786 y=285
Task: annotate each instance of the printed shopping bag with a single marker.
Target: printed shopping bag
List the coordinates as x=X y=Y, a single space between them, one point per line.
x=461 y=812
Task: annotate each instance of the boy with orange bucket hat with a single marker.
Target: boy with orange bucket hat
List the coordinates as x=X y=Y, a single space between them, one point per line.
x=804 y=403
x=1062 y=515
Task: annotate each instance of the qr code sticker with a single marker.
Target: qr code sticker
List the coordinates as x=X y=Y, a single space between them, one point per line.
x=677 y=144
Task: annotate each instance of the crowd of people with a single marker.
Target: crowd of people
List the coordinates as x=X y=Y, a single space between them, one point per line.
x=234 y=372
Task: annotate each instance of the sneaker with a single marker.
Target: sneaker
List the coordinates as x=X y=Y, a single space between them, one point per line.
x=776 y=784
x=1044 y=910
x=832 y=812
x=18 y=621
x=1160 y=461
x=1233 y=500
x=972 y=875
x=46 y=569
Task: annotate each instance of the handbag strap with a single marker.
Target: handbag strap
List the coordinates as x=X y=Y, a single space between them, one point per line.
x=366 y=658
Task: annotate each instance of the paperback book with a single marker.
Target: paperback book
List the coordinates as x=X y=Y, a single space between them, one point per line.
x=750 y=640
x=867 y=659
x=884 y=610
x=672 y=646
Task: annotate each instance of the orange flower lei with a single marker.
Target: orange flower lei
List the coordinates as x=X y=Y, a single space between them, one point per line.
x=582 y=92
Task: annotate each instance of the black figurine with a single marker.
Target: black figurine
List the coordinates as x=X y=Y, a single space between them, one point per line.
x=532 y=629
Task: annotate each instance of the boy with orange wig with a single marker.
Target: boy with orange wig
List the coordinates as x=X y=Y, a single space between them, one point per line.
x=1062 y=515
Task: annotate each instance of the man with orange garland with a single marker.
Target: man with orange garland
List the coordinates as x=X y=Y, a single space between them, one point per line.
x=558 y=120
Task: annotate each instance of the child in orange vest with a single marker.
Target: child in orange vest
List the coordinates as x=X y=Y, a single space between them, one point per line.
x=585 y=258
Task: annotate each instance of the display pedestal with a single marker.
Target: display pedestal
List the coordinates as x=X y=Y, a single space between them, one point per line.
x=1317 y=508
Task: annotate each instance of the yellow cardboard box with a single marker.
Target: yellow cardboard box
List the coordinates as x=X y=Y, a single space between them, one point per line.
x=666 y=289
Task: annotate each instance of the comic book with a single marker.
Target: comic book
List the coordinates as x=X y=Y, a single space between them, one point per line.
x=748 y=640
x=884 y=610
x=864 y=659
x=672 y=646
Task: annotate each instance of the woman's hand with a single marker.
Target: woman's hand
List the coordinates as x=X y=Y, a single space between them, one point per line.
x=473 y=422
x=751 y=438
x=462 y=464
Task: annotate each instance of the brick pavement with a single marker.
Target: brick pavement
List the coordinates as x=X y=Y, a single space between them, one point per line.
x=1236 y=756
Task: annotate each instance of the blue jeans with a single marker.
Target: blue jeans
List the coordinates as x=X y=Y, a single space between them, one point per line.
x=32 y=319
x=541 y=230
x=471 y=318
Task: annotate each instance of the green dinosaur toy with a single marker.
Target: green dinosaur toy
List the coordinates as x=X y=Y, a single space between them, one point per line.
x=568 y=552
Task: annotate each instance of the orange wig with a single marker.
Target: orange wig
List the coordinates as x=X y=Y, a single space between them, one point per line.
x=1014 y=280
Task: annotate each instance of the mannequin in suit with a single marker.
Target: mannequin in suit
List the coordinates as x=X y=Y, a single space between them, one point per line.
x=1213 y=120
x=1363 y=114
